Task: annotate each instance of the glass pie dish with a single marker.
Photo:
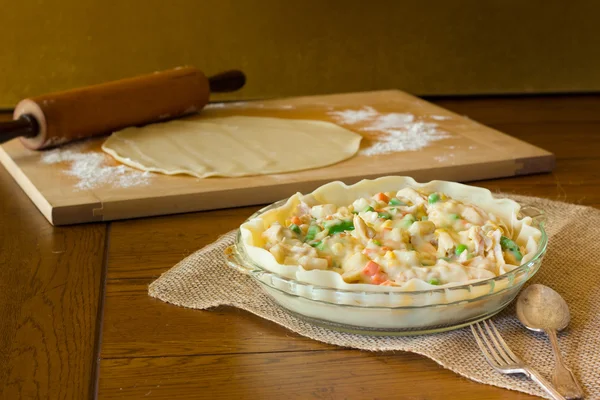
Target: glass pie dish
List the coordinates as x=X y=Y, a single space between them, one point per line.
x=391 y=312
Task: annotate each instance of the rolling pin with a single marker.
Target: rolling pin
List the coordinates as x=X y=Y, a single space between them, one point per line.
x=57 y=118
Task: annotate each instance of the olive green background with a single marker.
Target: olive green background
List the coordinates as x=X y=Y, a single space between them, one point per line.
x=305 y=47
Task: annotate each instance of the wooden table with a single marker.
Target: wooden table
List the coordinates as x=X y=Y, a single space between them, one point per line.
x=76 y=320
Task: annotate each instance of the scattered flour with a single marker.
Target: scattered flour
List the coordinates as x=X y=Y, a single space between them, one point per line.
x=249 y=104
x=349 y=117
x=401 y=131
x=444 y=158
x=391 y=121
x=440 y=117
x=215 y=105
x=92 y=168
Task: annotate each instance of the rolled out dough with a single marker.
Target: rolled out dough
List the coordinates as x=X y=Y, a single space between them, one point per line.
x=232 y=146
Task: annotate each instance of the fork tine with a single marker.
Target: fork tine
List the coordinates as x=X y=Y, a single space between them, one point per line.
x=515 y=365
x=482 y=347
x=499 y=349
x=514 y=358
x=490 y=345
x=479 y=338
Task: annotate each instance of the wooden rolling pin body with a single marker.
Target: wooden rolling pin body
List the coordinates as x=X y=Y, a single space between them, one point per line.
x=104 y=108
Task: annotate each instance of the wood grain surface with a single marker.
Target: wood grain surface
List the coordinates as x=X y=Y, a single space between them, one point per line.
x=49 y=301
x=344 y=374
x=50 y=291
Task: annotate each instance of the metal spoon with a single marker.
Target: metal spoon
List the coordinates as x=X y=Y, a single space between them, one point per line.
x=541 y=309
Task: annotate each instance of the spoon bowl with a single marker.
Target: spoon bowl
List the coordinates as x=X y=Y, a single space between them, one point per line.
x=540 y=308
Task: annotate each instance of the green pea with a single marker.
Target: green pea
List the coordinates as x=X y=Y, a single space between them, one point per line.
x=434 y=281
x=295 y=228
x=510 y=246
x=517 y=254
x=407 y=221
x=318 y=245
x=459 y=249
x=313 y=230
x=396 y=202
x=340 y=227
x=368 y=209
x=376 y=242
x=454 y=216
x=384 y=215
x=433 y=198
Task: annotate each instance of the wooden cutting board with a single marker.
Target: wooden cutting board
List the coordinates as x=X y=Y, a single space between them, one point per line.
x=66 y=195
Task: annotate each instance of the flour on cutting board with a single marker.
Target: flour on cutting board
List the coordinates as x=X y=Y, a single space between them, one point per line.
x=401 y=131
x=248 y=104
x=445 y=158
x=92 y=169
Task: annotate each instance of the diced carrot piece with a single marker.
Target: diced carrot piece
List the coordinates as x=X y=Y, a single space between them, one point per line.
x=296 y=220
x=382 y=197
x=329 y=217
x=379 y=278
x=372 y=268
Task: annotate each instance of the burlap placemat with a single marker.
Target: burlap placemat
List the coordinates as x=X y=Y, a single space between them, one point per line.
x=571 y=267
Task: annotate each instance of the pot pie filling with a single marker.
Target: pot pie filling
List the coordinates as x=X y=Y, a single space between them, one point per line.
x=394 y=237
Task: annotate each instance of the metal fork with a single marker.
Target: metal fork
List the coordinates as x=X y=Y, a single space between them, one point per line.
x=502 y=359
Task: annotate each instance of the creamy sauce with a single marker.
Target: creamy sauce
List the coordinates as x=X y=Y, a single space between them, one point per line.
x=393 y=237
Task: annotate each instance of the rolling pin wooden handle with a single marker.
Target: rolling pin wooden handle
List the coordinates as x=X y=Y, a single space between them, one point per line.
x=228 y=81
x=25 y=126
x=100 y=109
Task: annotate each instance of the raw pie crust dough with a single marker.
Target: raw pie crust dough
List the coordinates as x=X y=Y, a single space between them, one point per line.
x=232 y=146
